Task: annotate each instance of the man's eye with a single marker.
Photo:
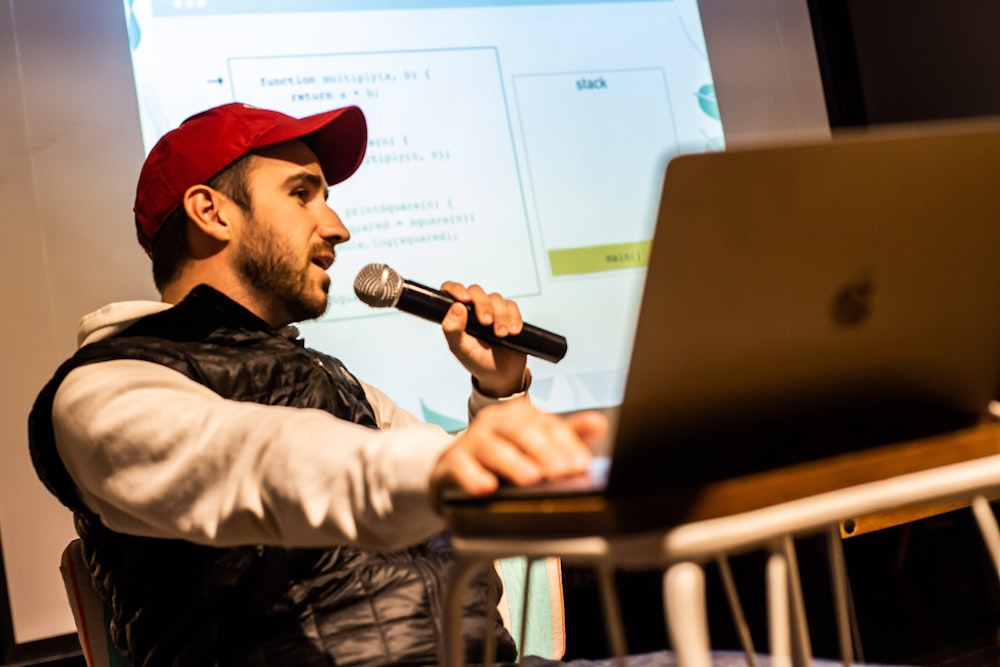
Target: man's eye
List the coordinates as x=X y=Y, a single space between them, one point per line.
x=301 y=193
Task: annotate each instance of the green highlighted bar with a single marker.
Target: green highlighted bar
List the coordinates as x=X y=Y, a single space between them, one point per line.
x=596 y=258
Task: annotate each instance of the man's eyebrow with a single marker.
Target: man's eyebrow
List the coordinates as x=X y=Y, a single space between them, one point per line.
x=312 y=179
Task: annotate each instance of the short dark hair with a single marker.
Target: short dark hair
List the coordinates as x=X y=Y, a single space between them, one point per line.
x=170 y=247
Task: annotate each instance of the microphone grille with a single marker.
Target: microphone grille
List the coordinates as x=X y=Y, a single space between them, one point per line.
x=378 y=285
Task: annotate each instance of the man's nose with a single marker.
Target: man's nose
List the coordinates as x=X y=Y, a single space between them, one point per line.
x=333 y=229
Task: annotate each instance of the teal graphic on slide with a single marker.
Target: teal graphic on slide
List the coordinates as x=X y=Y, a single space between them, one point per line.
x=707 y=101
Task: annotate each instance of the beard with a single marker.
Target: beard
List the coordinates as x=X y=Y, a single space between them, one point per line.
x=279 y=276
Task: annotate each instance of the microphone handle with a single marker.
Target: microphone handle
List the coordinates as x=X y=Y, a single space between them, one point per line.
x=433 y=305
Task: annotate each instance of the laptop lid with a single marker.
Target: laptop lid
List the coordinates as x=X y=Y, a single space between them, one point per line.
x=809 y=300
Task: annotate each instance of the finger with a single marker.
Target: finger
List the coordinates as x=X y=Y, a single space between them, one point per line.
x=457 y=290
x=506 y=316
x=590 y=425
x=490 y=308
x=458 y=467
x=508 y=460
x=549 y=442
x=493 y=309
x=564 y=453
x=455 y=321
x=482 y=303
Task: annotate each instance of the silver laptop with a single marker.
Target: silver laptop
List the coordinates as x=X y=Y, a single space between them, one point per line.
x=801 y=301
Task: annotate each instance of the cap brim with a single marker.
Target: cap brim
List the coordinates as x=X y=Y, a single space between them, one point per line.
x=339 y=138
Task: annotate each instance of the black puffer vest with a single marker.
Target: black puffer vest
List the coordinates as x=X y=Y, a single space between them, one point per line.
x=178 y=603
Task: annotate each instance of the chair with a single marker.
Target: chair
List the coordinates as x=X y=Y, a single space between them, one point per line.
x=89 y=610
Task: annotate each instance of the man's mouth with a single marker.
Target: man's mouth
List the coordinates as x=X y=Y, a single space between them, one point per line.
x=323 y=261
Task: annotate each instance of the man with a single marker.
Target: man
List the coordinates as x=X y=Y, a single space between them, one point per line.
x=242 y=499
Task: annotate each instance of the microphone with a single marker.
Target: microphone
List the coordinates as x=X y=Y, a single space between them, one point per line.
x=380 y=286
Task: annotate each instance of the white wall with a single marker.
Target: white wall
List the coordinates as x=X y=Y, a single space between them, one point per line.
x=765 y=70
x=69 y=153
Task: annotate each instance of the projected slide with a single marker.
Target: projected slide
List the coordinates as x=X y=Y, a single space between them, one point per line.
x=515 y=144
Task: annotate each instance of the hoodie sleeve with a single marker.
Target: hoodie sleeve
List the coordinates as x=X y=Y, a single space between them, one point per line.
x=154 y=453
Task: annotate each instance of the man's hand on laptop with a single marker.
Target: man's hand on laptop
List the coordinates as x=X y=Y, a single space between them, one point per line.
x=517 y=442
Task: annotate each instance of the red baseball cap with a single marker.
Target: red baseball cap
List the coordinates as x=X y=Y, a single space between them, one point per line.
x=210 y=141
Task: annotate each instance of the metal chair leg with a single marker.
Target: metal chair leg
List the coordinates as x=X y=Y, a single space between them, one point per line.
x=687 y=615
x=778 y=615
x=987 y=521
x=736 y=608
x=841 y=596
x=801 y=644
x=612 y=613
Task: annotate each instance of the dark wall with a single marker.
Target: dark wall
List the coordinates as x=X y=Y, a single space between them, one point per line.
x=888 y=61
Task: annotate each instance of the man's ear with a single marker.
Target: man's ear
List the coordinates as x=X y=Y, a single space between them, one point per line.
x=206 y=211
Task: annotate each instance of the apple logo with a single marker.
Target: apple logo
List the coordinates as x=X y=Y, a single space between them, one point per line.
x=851 y=305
